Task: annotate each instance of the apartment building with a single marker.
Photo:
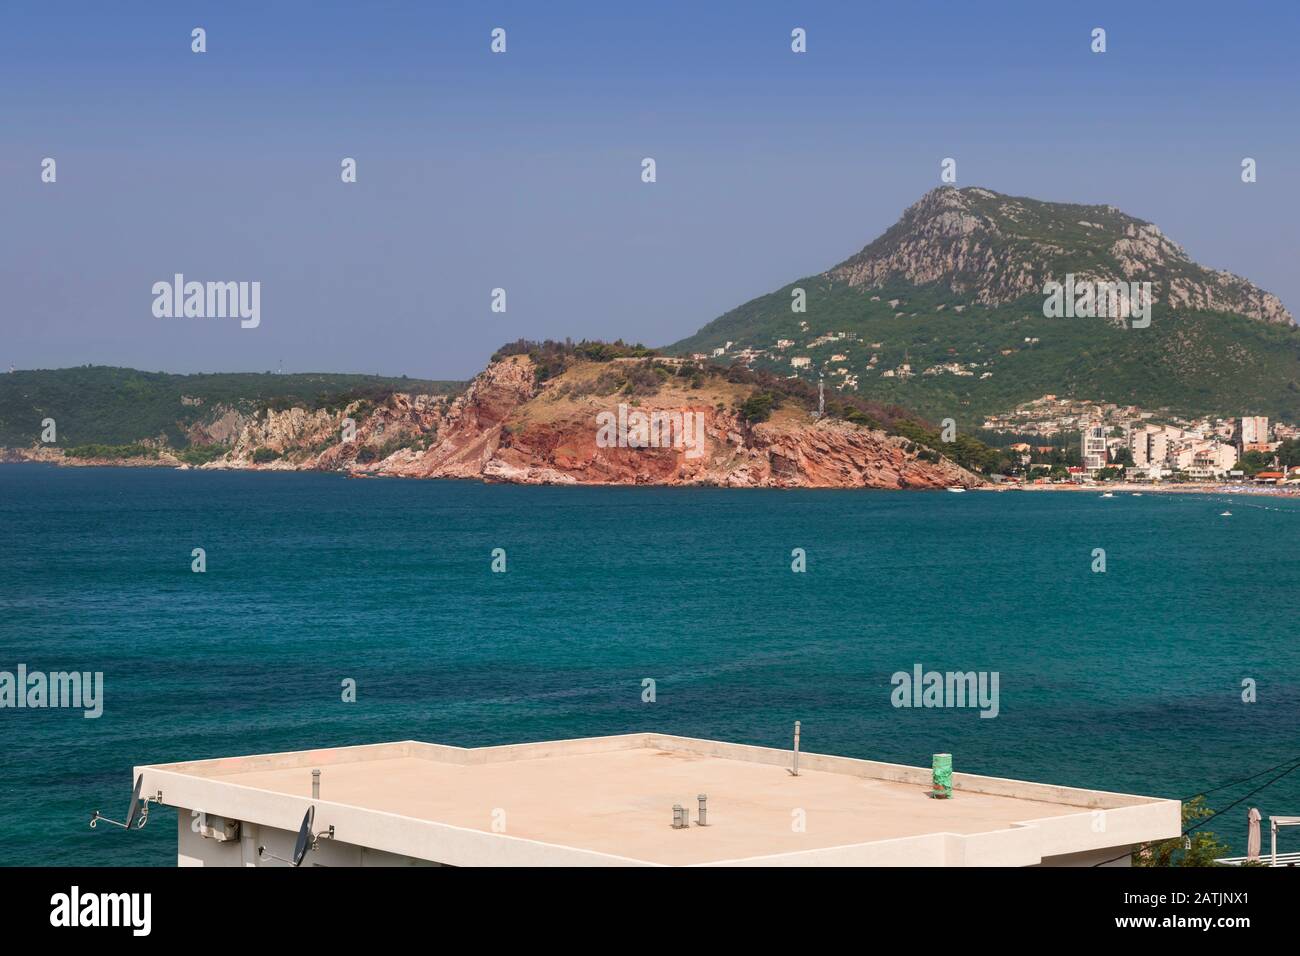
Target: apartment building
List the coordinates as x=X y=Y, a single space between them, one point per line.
x=1252 y=435
x=1094 y=447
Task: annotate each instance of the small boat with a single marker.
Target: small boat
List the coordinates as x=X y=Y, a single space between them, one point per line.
x=956 y=491
x=1225 y=514
x=1137 y=494
x=1108 y=494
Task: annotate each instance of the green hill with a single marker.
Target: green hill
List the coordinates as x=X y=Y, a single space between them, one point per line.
x=965 y=273
x=102 y=405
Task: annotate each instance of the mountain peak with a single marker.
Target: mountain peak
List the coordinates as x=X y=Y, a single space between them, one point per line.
x=998 y=248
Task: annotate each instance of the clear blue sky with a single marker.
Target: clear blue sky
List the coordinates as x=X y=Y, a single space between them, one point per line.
x=523 y=170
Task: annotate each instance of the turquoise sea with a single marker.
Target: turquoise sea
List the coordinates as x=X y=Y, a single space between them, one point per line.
x=1127 y=680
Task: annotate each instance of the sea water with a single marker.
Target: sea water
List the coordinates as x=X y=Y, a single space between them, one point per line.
x=1127 y=679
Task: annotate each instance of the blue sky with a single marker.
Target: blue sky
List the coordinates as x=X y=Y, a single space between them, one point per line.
x=523 y=170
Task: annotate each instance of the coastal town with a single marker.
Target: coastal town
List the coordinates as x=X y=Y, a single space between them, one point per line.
x=1068 y=440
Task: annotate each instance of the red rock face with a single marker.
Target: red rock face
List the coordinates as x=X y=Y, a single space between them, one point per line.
x=508 y=428
x=469 y=434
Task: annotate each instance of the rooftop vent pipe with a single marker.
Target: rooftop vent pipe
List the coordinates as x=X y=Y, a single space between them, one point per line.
x=315 y=784
x=681 y=819
x=704 y=809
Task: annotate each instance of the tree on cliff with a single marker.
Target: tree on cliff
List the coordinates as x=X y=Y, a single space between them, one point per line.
x=758 y=407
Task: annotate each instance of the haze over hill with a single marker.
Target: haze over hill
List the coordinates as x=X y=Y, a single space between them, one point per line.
x=944 y=313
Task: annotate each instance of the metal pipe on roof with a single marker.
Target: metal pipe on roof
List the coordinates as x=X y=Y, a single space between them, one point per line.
x=795 y=771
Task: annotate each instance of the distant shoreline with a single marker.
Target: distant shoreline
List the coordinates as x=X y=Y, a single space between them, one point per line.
x=1186 y=488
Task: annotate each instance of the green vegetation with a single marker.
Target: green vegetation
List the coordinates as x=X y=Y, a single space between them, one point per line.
x=551 y=358
x=201 y=454
x=111 y=451
x=1192 y=363
x=369 y=453
x=1253 y=462
x=966 y=451
x=119 y=406
x=758 y=407
x=262 y=455
x=1205 y=846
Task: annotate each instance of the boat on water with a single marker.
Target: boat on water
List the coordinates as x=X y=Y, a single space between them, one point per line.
x=1108 y=494
x=1137 y=494
x=956 y=491
x=1225 y=514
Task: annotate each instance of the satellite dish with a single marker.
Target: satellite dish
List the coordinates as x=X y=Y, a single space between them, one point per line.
x=304 y=842
x=138 y=811
x=134 y=811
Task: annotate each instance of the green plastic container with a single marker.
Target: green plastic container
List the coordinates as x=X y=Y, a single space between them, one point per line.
x=941 y=769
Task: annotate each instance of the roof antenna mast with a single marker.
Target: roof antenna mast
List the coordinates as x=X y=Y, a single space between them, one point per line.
x=794 y=770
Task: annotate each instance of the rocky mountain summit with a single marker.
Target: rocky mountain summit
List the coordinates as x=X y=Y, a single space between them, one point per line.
x=997 y=249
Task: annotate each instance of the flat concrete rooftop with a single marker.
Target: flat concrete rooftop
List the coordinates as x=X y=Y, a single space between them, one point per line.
x=609 y=800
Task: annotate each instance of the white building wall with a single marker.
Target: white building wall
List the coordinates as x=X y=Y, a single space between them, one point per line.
x=193 y=849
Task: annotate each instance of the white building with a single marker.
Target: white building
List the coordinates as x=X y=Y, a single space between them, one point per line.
x=1253 y=431
x=1163 y=440
x=613 y=801
x=1199 y=457
x=1159 y=450
x=1139 y=446
x=1093 y=447
x=1212 y=459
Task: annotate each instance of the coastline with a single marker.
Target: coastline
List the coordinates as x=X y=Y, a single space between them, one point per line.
x=19 y=456
x=1183 y=488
